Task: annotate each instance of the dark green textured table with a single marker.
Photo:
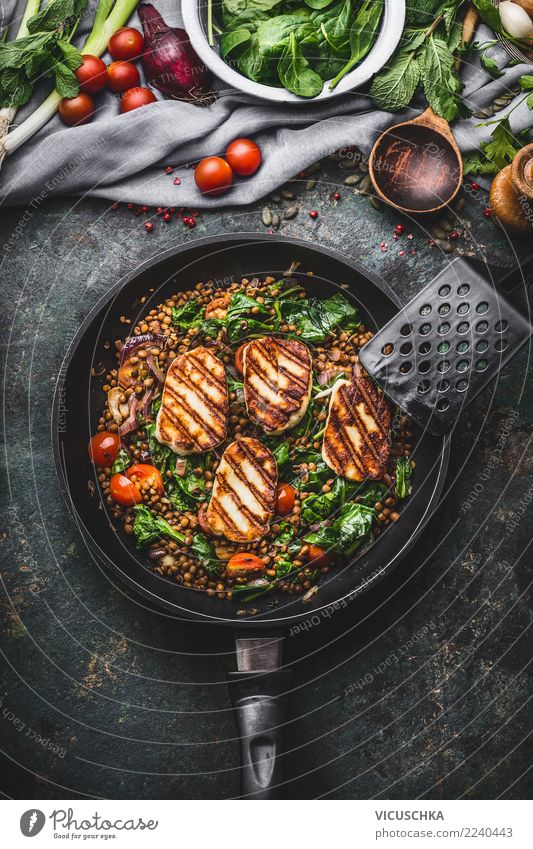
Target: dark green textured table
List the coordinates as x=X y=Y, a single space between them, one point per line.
x=418 y=690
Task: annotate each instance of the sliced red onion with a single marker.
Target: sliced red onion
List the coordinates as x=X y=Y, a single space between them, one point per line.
x=131 y=422
x=133 y=342
x=156 y=371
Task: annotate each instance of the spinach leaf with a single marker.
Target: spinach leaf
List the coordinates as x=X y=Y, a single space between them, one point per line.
x=282 y=458
x=295 y=72
x=192 y=486
x=240 y=327
x=241 y=304
x=233 y=384
x=148 y=528
x=320 y=506
x=161 y=455
x=286 y=534
x=122 y=462
x=189 y=315
x=204 y=550
x=370 y=493
x=347 y=532
x=362 y=35
x=404 y=474
x=315 y=318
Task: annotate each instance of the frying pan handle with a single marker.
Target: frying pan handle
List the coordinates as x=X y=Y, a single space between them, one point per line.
x=260 y=704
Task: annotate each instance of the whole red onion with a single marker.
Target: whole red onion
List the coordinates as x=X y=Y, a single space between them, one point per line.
x=170 y=64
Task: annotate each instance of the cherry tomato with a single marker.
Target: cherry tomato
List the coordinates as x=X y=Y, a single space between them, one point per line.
x=126 y=43
x=103 y=448
x=121 y=76
x=145 y=473
x=136 y=97
x=239 y=359
x=76 y=110
x=123 y=491
x=218 y=307
x=244 y=157
x=92 y=74
x=285 y=499
x=319 y=557
x=244 y=564
x=213 y=176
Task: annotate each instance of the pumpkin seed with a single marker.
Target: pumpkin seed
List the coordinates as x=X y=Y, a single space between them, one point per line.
x=376 y=203
x=312 y=169
x=438 y=232
x=310 y=185
x=363 y=167
x=352 y=180
x=444 y=245
x=285 y=193
x=266 y=216
x=446 y=224
x=483 y=113
x=364 y=185
x=276 y=221
x=291 y=212
x=348 y=164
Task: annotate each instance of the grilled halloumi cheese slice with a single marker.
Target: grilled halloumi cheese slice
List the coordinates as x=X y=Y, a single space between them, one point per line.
x=278 y=377
x=243 y=499
x=357 y=436
x=194 y=408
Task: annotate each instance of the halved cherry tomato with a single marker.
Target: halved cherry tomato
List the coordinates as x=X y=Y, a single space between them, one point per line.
x=213 y=176
x=285 y=498
x=92 y=74
x=319 y=557
x=124 y=491
x=145 y=473
x=218 y=307
x=136 y=97
x=76 y=110
x=244 y=564
x=103 y=448
x=202 y=521
x=121 y=76
x=244 y=157
x=239 y=360
x=127 y=43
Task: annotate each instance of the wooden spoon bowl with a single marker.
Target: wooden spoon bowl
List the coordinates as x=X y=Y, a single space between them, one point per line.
x=416 y=167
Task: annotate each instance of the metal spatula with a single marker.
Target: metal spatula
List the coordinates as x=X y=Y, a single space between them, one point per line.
x=447 y=344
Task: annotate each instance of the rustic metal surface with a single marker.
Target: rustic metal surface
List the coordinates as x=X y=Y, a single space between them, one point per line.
x=416 y=690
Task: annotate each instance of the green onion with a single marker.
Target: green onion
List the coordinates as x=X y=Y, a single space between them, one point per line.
x=110 y=16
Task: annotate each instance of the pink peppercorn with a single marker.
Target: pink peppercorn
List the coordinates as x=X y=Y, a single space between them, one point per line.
x=148 y=226
x=313 y=214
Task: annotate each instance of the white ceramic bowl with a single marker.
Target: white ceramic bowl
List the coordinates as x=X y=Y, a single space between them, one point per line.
x=392 y=23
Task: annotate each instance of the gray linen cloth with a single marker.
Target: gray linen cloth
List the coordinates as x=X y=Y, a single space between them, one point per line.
x=122 y=157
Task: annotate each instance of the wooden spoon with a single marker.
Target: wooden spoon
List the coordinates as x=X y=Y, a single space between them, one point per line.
x=416 y=166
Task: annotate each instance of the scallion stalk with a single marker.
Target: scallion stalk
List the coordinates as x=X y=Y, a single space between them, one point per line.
x=8 y=112
x=109 y=17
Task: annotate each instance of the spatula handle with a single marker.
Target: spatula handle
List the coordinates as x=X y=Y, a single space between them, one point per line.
x=260 y=704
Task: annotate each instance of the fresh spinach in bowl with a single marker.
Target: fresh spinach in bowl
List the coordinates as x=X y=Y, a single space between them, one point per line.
x=295 y=44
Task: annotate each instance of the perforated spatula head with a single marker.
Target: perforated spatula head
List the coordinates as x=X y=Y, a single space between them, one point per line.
x=445 y=346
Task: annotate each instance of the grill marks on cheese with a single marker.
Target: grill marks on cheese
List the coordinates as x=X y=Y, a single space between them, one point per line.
x=194 y=409
x=244 y=493
x=278 y=378
x=357 y=435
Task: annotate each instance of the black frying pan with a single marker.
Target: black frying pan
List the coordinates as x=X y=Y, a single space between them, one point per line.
x=259 y=689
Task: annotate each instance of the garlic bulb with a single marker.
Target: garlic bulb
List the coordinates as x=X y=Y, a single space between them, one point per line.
x=515 y=20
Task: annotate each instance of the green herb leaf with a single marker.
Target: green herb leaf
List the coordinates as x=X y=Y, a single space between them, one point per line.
x=441 y=83
x=189 y=315
x=489 y=14
x=66 y=82
x=296 y=74
x=394 y=88
x=206 y=554
x=122 y=462
x=149 y=528
x=404 y=474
